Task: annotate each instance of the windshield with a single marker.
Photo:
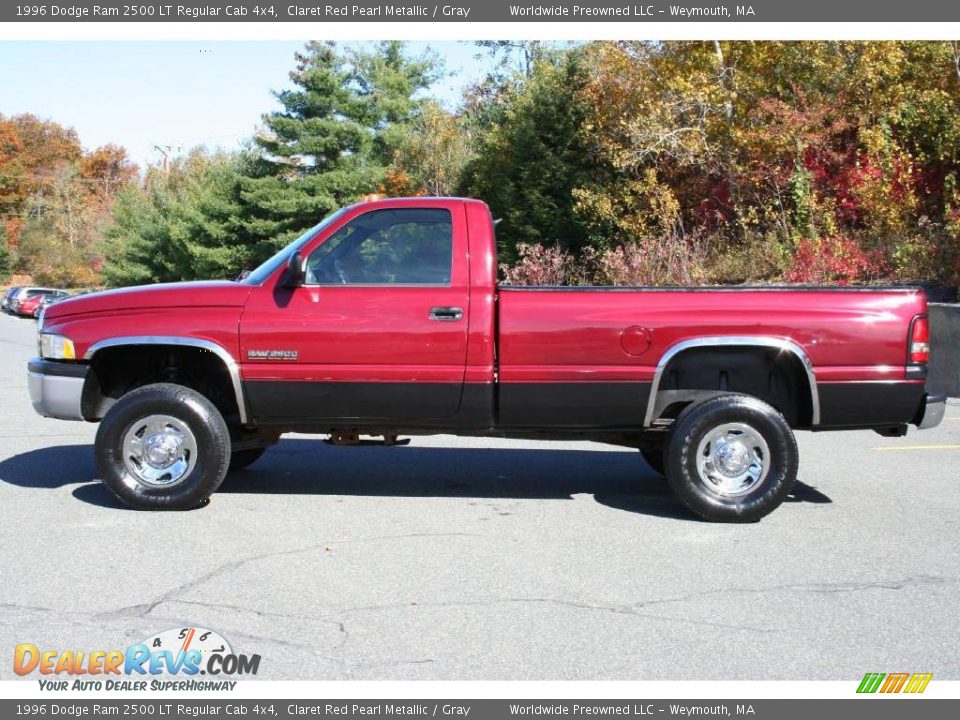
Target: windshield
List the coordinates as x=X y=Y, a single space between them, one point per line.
x=270 y=266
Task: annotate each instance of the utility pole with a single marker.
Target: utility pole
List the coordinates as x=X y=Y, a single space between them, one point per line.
x=164 y=150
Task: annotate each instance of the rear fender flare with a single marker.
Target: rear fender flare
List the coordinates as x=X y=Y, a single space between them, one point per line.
x=780 y=344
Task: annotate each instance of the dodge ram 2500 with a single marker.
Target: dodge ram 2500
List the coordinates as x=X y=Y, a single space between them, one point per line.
x=386 y=319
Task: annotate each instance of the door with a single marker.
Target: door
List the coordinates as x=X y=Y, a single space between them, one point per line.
x=378 y=330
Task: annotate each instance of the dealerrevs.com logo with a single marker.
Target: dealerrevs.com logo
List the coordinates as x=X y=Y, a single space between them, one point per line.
x=171 y=660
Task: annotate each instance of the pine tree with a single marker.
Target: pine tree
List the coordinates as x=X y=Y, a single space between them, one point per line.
x=389 y=84
x=316 y=151
x=328 y=145
x=333 y=139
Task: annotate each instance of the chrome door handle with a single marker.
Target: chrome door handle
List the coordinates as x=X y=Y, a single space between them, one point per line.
x=446 y=314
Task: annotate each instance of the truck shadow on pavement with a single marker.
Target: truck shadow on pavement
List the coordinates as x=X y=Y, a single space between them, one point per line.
x=619 y=479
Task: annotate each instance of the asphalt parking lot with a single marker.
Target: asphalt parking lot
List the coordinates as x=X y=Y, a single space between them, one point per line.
x=470 y=559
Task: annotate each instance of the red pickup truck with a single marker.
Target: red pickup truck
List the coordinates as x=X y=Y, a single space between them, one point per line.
x=386 y=319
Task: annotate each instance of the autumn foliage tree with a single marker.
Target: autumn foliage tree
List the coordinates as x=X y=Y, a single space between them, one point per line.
x=816 y=161
x=32 y=153
x=430 y=156
x=55 y=199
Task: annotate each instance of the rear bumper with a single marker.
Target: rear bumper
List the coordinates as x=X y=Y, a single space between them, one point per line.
x=56 y=388
x=933 y=409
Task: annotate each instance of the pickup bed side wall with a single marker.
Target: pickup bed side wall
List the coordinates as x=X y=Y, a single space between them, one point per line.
x=587 y=358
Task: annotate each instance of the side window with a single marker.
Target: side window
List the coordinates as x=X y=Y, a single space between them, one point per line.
x=409 y=246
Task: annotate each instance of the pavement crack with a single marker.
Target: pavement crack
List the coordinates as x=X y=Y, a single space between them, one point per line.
x=592 y=607
x=15 y=607
x=395 y=663
x=820 y=588
x=143 y=609
x=637 y=609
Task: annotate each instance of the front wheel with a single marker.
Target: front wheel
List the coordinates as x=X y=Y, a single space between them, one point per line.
x=732 y=458
x=163 y=447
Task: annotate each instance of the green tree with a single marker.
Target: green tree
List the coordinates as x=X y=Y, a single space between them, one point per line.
x=137 y=244
x=6 y=262
x=335 y=135
x=528 y=164
x=213 y=216
x=185 y=223
x=516 y=58
x=390 y=87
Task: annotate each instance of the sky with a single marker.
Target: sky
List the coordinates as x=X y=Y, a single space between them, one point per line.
x=179 y=94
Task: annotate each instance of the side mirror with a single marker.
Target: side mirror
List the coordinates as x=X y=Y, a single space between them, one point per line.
x=294 y=277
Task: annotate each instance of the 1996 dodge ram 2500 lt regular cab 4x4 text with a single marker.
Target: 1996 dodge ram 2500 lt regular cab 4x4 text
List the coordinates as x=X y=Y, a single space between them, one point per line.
x=386 y=318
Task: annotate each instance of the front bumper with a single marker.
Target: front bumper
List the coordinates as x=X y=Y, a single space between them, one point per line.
x=56 y=388
x=933 y=410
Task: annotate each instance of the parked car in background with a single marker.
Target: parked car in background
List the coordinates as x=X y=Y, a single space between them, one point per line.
x=49 y=299
x=8 y=298
x=26 y=301
x=14 y=302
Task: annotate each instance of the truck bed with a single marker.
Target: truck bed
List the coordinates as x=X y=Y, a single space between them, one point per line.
x=592 y=354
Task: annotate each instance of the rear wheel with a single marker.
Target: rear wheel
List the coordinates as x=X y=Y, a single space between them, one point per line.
x=163 y=447
x=732 y=458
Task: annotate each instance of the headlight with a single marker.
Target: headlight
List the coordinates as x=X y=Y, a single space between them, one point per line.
x=57 y=347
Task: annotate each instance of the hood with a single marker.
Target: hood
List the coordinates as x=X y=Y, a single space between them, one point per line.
x=221 y=293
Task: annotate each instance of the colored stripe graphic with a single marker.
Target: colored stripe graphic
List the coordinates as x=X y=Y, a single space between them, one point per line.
x=870 y=682
x=894 y=682
x=918 y=682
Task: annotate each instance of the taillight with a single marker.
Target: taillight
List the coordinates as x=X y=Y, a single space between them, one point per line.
x=920 y=340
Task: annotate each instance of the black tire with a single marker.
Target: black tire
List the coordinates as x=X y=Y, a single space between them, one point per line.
x=653 y=445
x=189 y=410
x=244 y=458
x=750 y=422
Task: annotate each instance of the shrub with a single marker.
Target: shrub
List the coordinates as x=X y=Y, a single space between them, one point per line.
x=839 y=260
x=539 y=265
x=653 y=261
x=758 y=258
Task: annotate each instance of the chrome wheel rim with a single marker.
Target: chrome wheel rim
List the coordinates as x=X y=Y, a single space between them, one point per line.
x=733 y=459
x=159 y=451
